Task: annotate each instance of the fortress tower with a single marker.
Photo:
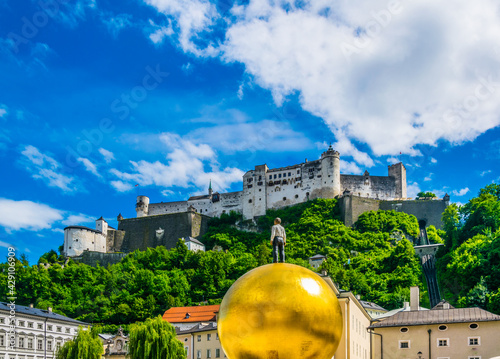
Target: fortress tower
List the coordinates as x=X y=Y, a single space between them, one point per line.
x=142 y=206
x=330 y=173
x=398 y=172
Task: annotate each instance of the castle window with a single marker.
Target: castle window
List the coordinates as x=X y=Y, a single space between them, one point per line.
x=298 y=171
x=69 y=247
x=274 y=176
x=284 y=174
x=260 y=178
x=284 y=198
x=250 y=186
x=289 y=174
x=279 y=176
x=76 y=240
x=296 y=196
x=270 y=177
x=250 y=180
x=249 y=201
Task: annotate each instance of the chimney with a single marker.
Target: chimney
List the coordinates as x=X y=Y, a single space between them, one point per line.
x=358 y=297
x=49 y=309
x=406 y=305
x=31 y=305
x=414 y=298
x=446 y=305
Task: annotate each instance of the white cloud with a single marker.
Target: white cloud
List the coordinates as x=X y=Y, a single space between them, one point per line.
x=484 y=173
x=108 y=155
x=5 y=244
x=3 y=111
x=159 y=33
x=46 y=168
x=191 y=18
x=121 y=186
x=78 y=219
x=461 y=192
x=433 y=160
x=412 y=189
x=188 y=165
x=117 y=23
x=89 y=166
x=428 y=178
x=350 y=168
x=427 y=72
x=27 y=215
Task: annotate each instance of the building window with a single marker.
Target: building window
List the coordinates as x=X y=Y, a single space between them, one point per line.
x=58 y=345
x=209 y=353
x=40 y=326
x=249 y=201
x=403 y=330
x=30 y=324
x=198 y=354
x=217 y=353
x=274 y=176
x=30 y=343
x=2 y=340
x=209 y=336
x=21 y=342
x=474 y=357
x=443 y=343
x=279 y=175
x=67 y=330
x=475 y=341
x=284 y=198
x=270 y=177
x=187 y=351
x=21 y=323
x=404 y=344
x=39 y=344
x=199 y=338
x=49 y=345
x=442 y=328
x=49 y=327
x=473 y=326
x=59 y=329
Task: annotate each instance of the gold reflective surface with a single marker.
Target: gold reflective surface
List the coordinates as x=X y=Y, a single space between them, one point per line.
x=280 y=311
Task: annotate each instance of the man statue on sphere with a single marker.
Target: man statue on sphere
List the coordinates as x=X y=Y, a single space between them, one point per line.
x=278 y=241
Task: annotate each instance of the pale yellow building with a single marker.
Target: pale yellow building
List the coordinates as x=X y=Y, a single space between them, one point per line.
x=443 y=332
x=201 y=342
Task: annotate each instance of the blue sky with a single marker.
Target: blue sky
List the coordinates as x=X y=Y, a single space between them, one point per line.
x=97 y=96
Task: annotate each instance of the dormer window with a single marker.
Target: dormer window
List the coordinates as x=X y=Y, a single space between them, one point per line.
x=187 y=316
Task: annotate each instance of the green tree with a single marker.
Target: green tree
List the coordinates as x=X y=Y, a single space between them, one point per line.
x=154 y=339
x=86 y=345
x=426 y=195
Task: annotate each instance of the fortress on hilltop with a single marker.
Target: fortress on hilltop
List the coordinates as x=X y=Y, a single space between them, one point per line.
x=263 y=188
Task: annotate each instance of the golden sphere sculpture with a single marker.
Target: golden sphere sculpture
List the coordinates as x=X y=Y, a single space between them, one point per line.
x=280 y=311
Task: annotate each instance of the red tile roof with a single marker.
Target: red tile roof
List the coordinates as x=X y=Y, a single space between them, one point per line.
x=205 y=313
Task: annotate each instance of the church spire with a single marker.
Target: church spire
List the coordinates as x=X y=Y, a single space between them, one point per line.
x=210 y=188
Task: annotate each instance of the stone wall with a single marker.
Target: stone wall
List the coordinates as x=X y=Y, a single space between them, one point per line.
x=141 y=233
x=429 y=211
x=104 y=259
x=114 y=240
x=426 y=210
x=377 y=187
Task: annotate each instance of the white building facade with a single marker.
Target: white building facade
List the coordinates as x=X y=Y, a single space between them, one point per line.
x=30 y=333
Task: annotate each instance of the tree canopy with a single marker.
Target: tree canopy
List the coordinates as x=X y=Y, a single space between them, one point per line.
x=85 y=345
x=154 y=339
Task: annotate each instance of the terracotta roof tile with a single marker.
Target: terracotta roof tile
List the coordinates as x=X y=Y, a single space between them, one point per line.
x=204 y=313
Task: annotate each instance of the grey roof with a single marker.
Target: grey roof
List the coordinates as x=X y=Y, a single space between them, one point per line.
x=194 y=240
x=317 y=256
x=437 y=316
x=371 y=305
x=200 y=327
x=194 y=198
x=83 y=227
x=20 y=309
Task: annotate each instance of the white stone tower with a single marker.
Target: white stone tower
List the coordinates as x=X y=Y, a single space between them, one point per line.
x=330 y=173
x=102 y=226
x=142 y=206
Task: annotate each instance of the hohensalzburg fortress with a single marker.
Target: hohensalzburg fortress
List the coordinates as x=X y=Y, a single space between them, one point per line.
x=265 y=188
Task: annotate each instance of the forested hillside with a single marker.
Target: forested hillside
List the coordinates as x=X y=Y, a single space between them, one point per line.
x=374 y=259
x=469 y=266
x=367 y=259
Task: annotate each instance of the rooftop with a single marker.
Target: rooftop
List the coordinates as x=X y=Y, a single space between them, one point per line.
x=198 y=328
x=204 y=313
x=20 y=309
x=437 y=316
x=371 y=305
x=194 y=240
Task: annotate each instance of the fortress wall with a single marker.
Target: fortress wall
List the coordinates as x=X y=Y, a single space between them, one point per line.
x=104 y=259
x=377 y=187
x=228 y=202
x=140 y=233
x=78 y=240
x=114 y=240
x=428 y=210
x=169 y=207
x=351 y=207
